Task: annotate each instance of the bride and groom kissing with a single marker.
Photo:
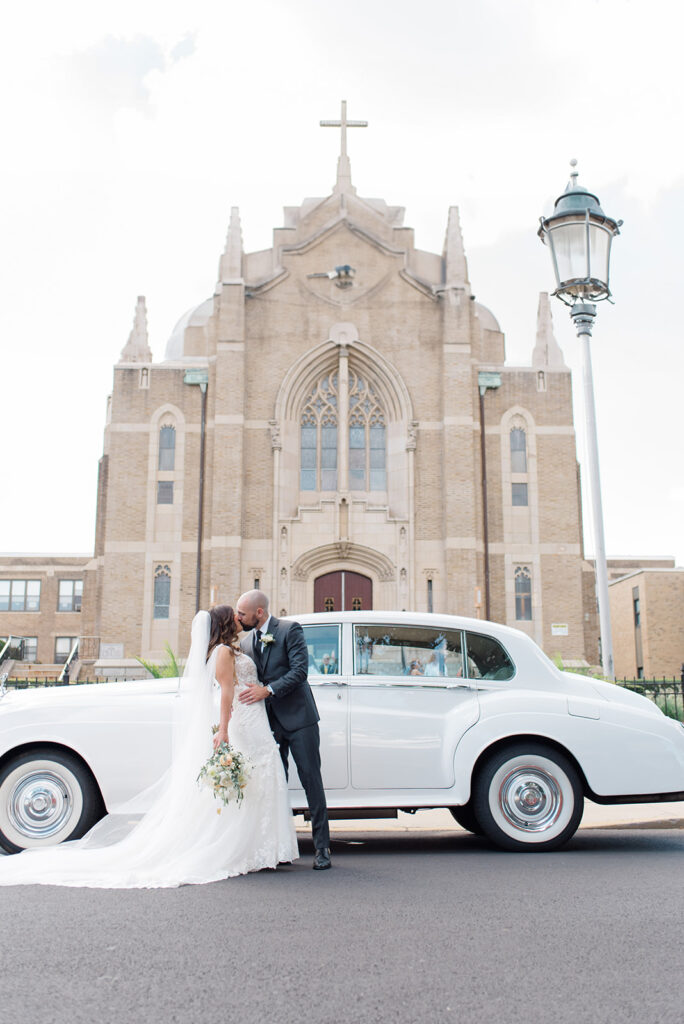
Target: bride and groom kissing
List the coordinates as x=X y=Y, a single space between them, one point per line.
x=268 y=712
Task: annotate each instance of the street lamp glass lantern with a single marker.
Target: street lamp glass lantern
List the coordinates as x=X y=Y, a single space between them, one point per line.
x=579 y=235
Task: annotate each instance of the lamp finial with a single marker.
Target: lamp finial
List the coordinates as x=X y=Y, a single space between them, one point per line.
x=574 y=173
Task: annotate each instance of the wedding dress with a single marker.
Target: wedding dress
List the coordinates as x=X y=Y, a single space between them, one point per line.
x=182 y=839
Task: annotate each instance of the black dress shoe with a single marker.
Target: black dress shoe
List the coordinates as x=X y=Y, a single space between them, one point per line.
x=322 y=860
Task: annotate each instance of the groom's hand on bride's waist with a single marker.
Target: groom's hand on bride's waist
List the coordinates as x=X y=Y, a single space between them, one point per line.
x=254 y=693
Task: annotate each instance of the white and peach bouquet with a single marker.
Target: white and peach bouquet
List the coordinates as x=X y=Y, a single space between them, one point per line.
x=226 y=774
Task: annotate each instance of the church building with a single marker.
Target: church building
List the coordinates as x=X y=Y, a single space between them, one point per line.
x=336 y=425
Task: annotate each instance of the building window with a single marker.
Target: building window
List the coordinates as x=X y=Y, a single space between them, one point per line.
x=165 y=492
x=518 y=451
x=429 y=595
x=357 y=605
x=523 y=594
x=367 y=437
x=329 y=604
x=636 y=604
x=162 y=591
x=21 y=648
x=63 y=648
x=167 y=448
x=318 y=437
x=519 y=494
x=70 y=595
x=19 y=595
x=257 y=583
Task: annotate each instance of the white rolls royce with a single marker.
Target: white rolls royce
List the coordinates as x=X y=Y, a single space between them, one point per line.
x=417 y=711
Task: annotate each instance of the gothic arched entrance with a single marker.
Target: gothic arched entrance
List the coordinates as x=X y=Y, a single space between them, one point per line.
x=343 y=591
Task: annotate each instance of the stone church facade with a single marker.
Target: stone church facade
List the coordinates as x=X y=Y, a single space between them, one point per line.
x=340 y=433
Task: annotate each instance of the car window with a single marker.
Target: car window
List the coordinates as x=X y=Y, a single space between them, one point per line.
x=407 y=651
x=323 y=645
x=487 y=658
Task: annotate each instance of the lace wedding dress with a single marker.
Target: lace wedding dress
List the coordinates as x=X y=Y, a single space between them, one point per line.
x=182 y=839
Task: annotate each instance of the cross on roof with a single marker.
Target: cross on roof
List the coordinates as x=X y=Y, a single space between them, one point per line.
x=343 y=167
x=343 y=123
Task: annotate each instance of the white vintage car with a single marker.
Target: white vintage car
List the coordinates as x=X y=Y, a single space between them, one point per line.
x=417 y=711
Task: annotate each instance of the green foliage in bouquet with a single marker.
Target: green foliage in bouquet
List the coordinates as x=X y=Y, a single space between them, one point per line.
x=225 y=773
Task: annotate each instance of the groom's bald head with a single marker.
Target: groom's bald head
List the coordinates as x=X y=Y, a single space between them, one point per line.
x=251 y=609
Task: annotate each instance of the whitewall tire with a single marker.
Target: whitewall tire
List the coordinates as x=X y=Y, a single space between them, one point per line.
x=46 y=797
x=528 y=796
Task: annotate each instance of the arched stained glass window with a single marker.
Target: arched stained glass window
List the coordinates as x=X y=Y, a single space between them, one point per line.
x=318 y=437
x=367 y=437
x=523 y=594
x=167 y=448
x=518 y=450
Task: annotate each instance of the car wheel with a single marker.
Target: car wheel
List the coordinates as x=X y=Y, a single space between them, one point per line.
x=465 y=817
x=46 y=797
x=528 y=797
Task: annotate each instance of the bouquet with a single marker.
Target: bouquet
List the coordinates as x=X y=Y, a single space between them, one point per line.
x=225 y=773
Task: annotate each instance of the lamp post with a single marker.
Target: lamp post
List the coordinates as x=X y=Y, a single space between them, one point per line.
x=579 y=235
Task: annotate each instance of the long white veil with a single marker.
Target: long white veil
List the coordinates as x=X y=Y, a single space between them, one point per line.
x=120 y=851
x=193 y=714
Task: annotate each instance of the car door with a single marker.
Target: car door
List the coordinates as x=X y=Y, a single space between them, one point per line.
x=409 y=706
x=331 y=693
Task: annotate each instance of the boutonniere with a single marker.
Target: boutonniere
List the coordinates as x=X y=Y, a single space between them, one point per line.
x=267 y=639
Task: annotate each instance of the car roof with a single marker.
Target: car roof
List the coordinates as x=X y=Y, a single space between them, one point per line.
x=411 y=618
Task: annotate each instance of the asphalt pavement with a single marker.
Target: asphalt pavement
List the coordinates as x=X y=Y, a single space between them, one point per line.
x=409 y=926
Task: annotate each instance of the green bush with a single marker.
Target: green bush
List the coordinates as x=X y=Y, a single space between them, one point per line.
x=168 y=668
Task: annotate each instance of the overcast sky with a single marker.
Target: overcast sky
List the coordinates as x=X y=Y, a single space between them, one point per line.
x=131 y=129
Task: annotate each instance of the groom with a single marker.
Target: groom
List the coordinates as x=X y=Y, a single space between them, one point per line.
x=279 y=651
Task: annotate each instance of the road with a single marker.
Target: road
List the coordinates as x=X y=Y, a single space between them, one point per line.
x=407 y=927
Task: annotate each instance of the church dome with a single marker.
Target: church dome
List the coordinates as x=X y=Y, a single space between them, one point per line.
x=197 y=316
x=486 y=318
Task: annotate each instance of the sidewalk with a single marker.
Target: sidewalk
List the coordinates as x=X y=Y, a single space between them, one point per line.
x=595 y=816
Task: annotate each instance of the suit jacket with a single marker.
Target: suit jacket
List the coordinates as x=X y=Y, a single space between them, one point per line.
x=284 y=667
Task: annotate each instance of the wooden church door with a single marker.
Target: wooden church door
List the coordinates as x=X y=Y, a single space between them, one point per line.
x=343 y=591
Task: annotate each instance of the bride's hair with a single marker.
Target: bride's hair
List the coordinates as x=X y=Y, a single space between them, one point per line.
x=223 y=628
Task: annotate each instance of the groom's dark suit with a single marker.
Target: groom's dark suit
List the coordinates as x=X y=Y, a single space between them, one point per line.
x=292 y=712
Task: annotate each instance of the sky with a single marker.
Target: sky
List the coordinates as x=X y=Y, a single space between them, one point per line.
x=132 y=128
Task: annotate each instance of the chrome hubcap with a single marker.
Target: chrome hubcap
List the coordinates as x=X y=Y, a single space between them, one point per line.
x=530 y=799
x=40 y=804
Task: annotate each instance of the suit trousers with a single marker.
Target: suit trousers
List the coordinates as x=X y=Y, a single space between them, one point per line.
x=305 y=745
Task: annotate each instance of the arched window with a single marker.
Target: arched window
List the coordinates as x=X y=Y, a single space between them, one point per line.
x=367 y=437
x=162 y=591
x=523 y=594
x=518 y=450
x=318 y=437
x=167 y=448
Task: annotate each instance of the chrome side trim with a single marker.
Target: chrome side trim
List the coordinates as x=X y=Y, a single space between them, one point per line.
x=465 y=685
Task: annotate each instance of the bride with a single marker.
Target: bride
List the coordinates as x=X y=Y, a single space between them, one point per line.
x=182 y=839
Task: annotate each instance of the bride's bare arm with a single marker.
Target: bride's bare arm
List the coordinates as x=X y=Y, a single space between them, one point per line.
x=225 y=677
